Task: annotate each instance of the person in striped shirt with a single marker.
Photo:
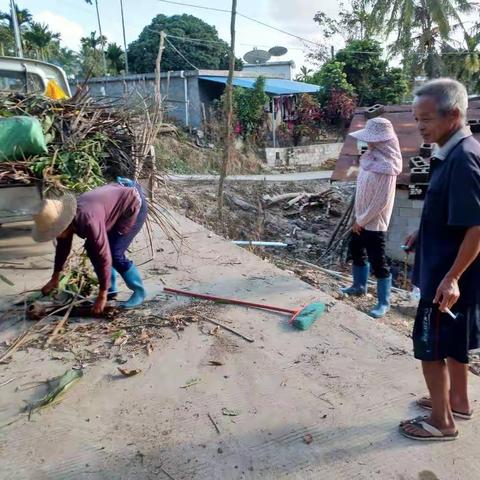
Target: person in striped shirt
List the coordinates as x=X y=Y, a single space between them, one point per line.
x=375 y=195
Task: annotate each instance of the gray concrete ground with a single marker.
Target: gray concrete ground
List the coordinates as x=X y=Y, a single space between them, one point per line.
x=320 y=404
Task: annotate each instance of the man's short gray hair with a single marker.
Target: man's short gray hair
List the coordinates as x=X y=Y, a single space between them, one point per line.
x=448 y=94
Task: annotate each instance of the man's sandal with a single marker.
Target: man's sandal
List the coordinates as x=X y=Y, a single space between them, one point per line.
x=426 y=403
x=434 y=434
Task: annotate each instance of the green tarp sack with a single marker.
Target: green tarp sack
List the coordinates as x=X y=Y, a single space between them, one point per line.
x=21 y=137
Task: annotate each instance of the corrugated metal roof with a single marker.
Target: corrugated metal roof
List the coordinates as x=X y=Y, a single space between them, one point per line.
x=273 y=86
x=410 y=140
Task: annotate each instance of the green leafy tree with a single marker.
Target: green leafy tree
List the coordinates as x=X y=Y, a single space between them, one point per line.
x=372 y=78
x=332 y=76
x=249 y=106
x=420 y=27
x=115 y=58
x=210 y=52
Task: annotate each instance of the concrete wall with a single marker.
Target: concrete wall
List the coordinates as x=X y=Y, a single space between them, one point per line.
x=173 y=87
x=272 y=69
x=308 y=155
x=405 y=219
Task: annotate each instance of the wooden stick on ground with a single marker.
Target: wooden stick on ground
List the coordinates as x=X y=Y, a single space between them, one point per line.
x=7 y=382
x=62 y=322
x=214 y=423
x=16 y=345
x=229 y=329
x=340 y=275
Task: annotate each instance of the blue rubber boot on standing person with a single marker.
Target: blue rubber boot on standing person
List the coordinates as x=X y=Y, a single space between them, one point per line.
x=134 y=282
x=113 y=290
x=360 y=279
x=384 y=289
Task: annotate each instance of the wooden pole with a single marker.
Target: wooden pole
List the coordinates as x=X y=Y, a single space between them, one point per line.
x=102 y=46
x=16 y=29
x=124 y=38
x=227 y=154
x=158 y=69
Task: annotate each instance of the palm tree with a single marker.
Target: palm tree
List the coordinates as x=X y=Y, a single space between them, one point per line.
x=304 y=75
x=420 y=26
x=90 y=55
x=39 y=39
x=23 y=15
x=102 y=45
x=115 y=58
x=462 y=59
x=68 y=60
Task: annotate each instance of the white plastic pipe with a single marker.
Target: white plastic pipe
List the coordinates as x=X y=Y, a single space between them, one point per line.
x=249 y=243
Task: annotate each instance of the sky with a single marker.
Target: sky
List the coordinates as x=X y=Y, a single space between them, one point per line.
x=74 y=19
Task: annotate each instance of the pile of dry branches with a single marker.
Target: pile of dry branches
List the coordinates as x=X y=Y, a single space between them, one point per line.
x=89 y=142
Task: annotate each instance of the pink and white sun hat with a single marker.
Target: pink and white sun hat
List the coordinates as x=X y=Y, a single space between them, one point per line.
x=376 y=130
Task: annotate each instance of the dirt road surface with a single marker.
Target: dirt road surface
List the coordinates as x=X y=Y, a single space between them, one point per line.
x=324 y=403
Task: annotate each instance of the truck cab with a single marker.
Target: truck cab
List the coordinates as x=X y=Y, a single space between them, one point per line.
x=25 y=75
x=22 y=75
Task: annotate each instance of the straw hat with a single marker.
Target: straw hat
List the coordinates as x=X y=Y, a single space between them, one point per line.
x=376 y=130
x=54 y=216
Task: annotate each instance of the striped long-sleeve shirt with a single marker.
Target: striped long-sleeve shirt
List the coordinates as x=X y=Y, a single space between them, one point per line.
x=374 y=200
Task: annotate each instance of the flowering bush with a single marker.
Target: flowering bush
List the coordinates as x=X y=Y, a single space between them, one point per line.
x=339 y=108
x=309 y=118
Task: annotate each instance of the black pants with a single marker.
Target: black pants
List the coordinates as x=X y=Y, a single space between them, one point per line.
x=370 y=246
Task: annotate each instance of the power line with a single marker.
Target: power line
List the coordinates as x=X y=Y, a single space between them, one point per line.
x=196 y=40
x=195 y=6
x=306 y=40
x=180 y=53
x=243 y=16
x=201 y=41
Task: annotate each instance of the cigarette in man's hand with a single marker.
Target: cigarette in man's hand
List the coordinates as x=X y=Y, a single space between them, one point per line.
x=449 y=312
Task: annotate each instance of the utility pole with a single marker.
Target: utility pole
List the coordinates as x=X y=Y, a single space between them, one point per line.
x=227 y=154
x=102 y=46
x=16 y=29
x=124 y=38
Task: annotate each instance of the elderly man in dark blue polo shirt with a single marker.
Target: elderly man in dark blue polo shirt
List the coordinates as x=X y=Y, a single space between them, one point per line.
x=447 y=263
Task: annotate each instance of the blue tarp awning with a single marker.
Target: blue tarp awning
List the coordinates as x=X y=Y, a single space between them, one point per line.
x=273 y=86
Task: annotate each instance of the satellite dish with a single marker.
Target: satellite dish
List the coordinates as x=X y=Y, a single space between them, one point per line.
x=256 y=56
x=278 y=51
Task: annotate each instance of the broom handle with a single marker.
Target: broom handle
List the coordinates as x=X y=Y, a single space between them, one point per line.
x=229 y=300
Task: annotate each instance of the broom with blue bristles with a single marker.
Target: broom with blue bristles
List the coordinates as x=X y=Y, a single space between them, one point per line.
x=301 y=318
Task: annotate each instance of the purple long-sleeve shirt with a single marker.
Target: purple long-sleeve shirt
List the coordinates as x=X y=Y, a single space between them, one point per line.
x=108 y=208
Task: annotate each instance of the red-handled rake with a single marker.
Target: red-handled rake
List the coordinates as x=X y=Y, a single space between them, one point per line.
x=301 y=318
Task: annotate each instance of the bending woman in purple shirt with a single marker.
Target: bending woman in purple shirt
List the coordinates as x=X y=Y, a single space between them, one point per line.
x=108 y=218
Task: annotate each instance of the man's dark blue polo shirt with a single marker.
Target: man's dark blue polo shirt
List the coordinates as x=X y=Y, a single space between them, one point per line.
x=452 y=206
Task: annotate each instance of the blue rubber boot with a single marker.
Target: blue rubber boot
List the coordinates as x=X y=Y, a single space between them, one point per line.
x=113 y=290
x=360 y=279
x=134 y=282
x=384 y=289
